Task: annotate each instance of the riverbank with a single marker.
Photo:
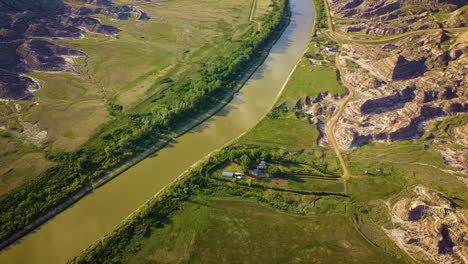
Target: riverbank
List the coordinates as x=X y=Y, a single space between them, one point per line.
x=181 y=130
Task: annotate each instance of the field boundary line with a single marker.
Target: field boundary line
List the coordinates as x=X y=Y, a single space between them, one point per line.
x=252 y=10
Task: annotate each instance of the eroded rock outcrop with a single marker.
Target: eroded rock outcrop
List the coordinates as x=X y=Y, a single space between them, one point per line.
x=415 y=129
x=389 y=109
x=41 y=55
x=388 y=103
x=405 y=69
x=13 y=86
x=429 y=225
x=388 y=17
x=21 y=22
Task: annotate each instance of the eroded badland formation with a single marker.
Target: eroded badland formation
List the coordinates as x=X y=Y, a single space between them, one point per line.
x=400 y=86
x=407 y=64
x=27 y=31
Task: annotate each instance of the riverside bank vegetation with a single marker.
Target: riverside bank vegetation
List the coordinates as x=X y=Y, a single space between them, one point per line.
x=151 y=123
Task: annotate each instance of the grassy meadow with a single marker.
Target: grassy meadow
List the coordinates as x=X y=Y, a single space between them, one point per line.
x=232 y=230
x=402 y=165
x=310 y=80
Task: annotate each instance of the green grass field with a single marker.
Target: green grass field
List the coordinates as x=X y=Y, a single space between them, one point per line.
x=403 y=164
x=230 y=230
x=309 y=184
x=262 y=7
x=276 y=132
x=310 y=80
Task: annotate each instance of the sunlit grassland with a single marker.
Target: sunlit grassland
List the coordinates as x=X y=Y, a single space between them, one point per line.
x=231 y=230
x=308 y=184
x=403 y=164
x=263 y=6
x=18 y=169
x=276 y=132
x=310 y=80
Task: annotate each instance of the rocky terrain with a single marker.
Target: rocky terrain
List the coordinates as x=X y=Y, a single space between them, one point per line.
x=430 y=225
x=28 y=27
x=403 y=89
x=402 y=86
x=384 y=17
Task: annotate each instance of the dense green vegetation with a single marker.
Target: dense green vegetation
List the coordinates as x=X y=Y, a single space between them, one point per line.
x=131 y=133
x=320 y=21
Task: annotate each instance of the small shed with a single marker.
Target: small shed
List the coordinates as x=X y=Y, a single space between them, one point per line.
x=262 y=165
x=228 y=174
x=256 y=172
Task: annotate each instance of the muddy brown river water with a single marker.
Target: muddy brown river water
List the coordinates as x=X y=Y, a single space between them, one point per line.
x=65 y=235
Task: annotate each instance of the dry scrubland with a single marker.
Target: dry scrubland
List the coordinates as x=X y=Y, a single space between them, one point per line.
x=70 y=107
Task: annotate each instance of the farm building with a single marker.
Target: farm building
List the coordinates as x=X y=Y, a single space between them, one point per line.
x=236 y=175
x=259 y=170
x=262 y=165
x=256 y=172
x=228 y=174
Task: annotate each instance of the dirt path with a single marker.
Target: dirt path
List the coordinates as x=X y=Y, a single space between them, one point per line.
x=349 y=39
x=330 y=128
x=252 y=10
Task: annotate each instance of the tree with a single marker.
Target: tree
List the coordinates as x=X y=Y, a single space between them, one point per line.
x=245 y=162
x=272 y=171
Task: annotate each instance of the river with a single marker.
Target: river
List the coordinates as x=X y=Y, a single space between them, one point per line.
x=65 y=235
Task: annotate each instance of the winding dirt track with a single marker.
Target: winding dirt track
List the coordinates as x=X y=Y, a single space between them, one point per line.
x=331 y=33
x=330 y=128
